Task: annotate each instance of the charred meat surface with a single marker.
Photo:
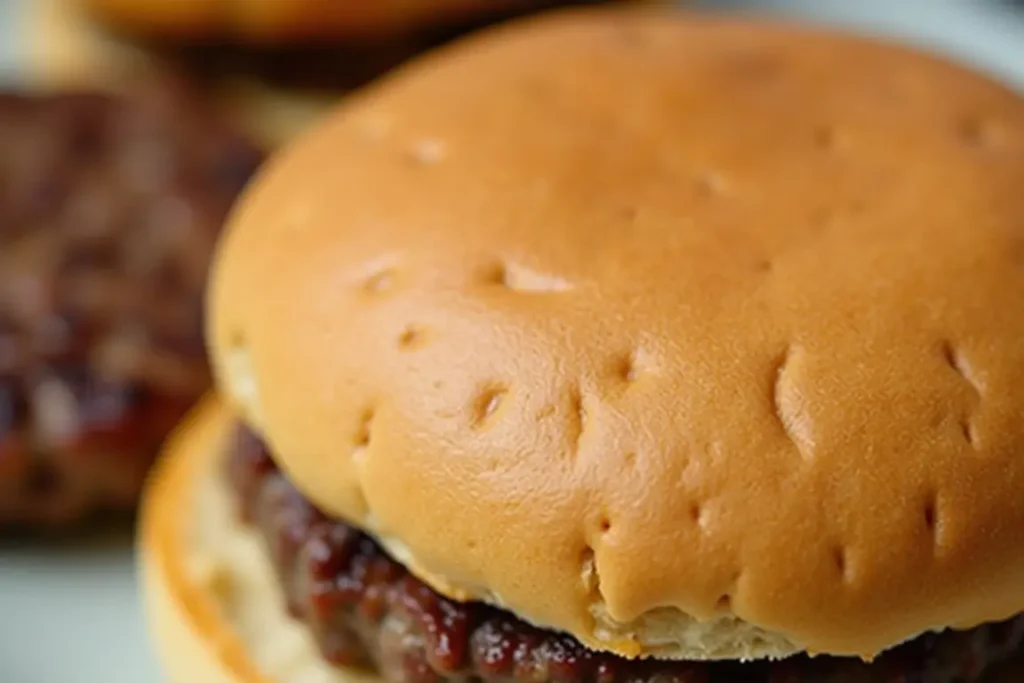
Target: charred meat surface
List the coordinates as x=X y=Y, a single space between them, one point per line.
x=109 y=208
x=366 y=610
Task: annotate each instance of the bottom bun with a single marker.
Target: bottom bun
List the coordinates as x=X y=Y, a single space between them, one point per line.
x=212 y=600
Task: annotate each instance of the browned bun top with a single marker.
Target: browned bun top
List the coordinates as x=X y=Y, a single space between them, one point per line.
x=691 y=337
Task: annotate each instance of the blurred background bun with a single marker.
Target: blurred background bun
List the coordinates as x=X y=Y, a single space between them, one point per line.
x=274 y=65
x=291 y=21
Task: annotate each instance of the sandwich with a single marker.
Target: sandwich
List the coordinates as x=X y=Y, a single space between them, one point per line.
x=612 y=346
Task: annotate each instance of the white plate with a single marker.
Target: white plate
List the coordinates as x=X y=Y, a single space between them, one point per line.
x=71 y=614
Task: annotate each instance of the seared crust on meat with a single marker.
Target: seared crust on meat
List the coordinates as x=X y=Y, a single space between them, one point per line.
x=109 y=211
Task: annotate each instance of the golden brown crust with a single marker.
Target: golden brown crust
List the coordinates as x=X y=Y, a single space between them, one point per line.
x=212 y=601
x=621 y=320
x=192 y=639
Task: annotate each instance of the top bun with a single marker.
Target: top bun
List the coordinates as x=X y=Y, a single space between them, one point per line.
x=691 y=337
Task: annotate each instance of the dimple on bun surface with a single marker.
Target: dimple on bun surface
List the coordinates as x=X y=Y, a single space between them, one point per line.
x=693 y=338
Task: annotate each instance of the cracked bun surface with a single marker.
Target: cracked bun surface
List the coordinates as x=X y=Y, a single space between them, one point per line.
x=692 y=338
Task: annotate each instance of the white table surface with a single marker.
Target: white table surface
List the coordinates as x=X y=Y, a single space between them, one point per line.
x=69 y=613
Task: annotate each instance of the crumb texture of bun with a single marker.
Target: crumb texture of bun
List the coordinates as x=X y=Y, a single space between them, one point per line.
x=276 y=21
x=690 y=337
x=212 y=598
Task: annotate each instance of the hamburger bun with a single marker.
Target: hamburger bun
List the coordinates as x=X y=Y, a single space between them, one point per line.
x=211 y=595
x=692 y=338
x=213 y=600
x=64 y=50
x=274 y=66
x=276 y=21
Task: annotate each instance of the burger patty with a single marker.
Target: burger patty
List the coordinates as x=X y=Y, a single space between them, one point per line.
x=109 y=211
x=366 y=610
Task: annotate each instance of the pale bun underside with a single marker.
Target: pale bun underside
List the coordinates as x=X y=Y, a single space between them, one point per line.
x=214 y=606
x=688 y=337
x=65 y=51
